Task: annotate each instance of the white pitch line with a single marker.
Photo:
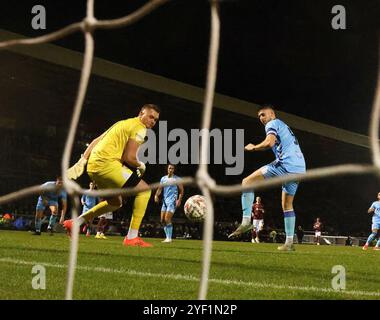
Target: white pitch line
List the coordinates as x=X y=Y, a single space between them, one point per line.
x=195 y=279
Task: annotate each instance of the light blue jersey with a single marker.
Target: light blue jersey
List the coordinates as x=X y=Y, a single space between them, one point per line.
x=376 y=214
x=89 y=202
x=52 y=197
x=289 y=157
x=289 y=160
x=169 y=194
x=286 y=148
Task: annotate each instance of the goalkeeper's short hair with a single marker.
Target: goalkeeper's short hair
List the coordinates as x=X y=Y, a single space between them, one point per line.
x=151 y=106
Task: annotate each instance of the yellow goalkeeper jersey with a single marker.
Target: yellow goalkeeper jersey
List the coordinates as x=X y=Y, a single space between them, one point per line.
x=110 y=148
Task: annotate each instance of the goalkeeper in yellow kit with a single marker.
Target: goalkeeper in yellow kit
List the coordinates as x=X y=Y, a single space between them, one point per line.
x=112 y=163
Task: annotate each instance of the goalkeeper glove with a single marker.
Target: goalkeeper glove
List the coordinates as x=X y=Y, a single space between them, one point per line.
x=77 y=169
x=140 y=170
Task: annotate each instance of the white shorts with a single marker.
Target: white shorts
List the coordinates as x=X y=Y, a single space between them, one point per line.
x=258 y=224
x=317 y=233
x=107 y=215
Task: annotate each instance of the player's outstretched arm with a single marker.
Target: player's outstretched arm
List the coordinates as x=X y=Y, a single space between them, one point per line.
x=63 y=211
x=77 y=169
x=91 y=146
x=268 y=143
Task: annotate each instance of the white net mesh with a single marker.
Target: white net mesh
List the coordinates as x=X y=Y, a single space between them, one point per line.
x=202 y=179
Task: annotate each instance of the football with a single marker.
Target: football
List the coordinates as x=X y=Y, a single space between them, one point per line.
x=195 y=208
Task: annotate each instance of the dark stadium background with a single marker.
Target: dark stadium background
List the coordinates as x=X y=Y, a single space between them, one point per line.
x=284 y=52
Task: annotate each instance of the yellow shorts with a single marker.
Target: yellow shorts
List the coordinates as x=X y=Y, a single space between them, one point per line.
x=112 y=176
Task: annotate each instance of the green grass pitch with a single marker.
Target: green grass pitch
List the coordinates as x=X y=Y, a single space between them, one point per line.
x=239 y=270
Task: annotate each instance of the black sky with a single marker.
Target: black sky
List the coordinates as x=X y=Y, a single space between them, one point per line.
x=284 y=52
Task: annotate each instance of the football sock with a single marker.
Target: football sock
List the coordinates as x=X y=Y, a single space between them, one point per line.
x=139 y=207
x=52 y=221
x=378 y=243
x=166 y=231
x=38 y=224
x=99 y=209
x=289 y=222
x=132 y=233
x=169 y=227
x=247 y=199
x=371 y=237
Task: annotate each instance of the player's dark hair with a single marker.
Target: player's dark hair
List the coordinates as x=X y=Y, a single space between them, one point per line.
x=151 y=106
x=267 y=106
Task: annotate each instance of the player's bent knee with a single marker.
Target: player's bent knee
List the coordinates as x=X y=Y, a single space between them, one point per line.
x=168 y=218
x=257 y=175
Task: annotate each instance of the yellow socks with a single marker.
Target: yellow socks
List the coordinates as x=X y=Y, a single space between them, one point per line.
x=100 y=208
x=139 y=207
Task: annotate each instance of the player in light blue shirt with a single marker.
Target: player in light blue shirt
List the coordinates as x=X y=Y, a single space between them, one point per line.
x=50 y=199
x=88 y=202
x=375 y=210
x=289 y=160
x=171 y=200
